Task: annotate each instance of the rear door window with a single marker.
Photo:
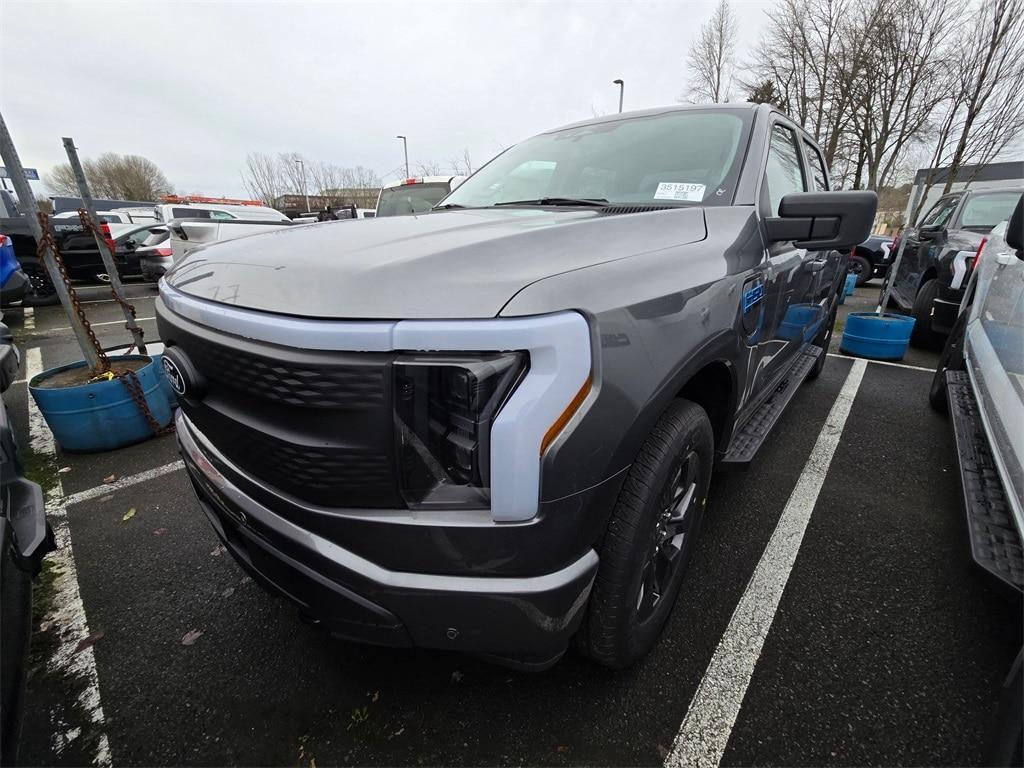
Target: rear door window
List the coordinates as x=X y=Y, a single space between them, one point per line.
x=987 y=211
x=784 y=173
x=189 y=213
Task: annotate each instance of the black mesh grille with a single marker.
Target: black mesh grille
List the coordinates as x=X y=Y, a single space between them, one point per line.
x=316 y=425
x=329 y=385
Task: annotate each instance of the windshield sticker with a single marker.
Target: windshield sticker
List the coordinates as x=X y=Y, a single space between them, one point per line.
x=672 y=190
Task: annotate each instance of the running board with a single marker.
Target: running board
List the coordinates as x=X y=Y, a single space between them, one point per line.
x=995 y=541
x=755 y=430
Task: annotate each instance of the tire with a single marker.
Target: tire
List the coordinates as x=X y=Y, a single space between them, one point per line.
x=862 y=267
x=923 y=336
x=40 y=291
x=951 y=359
x=650 y=538
x=823 y=339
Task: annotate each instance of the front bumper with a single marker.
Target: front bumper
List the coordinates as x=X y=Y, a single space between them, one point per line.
x=524 y=620
x=14 y=289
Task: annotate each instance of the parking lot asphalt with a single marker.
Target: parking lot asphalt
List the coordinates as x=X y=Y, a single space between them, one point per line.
x=887 y=646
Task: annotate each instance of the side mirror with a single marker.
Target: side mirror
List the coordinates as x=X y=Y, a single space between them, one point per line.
x=929 y=231
x=824 y=220
x=1014 y=236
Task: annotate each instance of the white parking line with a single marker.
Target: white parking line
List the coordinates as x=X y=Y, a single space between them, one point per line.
x=884 y=362
x=67 y=616
x=28 y=319
x=705 y=731
x=124 y=482
x=94 y=325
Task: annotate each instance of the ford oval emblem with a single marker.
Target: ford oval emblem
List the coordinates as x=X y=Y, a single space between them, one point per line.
x=183 y=377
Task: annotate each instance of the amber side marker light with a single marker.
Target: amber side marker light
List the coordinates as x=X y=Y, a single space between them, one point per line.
x=563 y=419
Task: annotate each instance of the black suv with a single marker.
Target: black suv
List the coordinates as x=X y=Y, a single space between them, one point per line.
x=939 y=256
x=492 y=427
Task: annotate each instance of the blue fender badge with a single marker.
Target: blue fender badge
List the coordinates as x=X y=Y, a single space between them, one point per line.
x=752 y=296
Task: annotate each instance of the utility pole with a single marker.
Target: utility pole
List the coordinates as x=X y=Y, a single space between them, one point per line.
x=622 y=88
x=106 y=250
x=405 y=146
x=27 y=204
x=302 y=168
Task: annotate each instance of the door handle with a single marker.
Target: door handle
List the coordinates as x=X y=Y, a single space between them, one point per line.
x=815 y=266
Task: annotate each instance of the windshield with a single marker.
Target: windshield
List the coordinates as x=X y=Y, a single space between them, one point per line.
x=986 y=211
x=688 y=156
x=410 y=198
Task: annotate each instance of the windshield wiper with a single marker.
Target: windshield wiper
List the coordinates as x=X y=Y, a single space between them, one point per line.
x=447 y=207
x=592 y=201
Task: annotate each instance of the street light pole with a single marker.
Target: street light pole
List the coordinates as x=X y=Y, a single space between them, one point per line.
x=405 y=147
x=305 y=191
x=622 y=88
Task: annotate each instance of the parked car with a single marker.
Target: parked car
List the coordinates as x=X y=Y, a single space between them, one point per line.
x=77 y=246
x=939 y=255
x=218 y=209
x=25 y=538
x=871 y=258
x=492 y=427
x=124 y=216
x=155 y=254
x=418 y=195
x=13 y=281
x=186 y=235
x=978 y=381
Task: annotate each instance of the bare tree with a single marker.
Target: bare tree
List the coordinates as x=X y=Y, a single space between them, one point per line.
x=262 y=178
x=428 y=169
x=984 y=110
x=114 y=176
x=711 y=58
x=462 y=166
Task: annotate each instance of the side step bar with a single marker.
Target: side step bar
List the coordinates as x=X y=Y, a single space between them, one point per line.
x=749 y=438
x=995 y=541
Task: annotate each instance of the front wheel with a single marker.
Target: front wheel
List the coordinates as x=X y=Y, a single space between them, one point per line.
x=40 y=291
x=650 y=538
x=862 y=268
x=923 y=336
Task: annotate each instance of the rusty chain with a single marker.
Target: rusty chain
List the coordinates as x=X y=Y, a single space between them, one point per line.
x=87 y=223
x=47 y=241
x=127 y=377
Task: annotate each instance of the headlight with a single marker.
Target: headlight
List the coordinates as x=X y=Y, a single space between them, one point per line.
x=444 y=408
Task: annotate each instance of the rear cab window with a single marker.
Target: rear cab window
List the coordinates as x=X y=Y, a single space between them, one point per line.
x=410 y=198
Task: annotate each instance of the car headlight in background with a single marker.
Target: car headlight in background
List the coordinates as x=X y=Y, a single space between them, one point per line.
x=444 y=408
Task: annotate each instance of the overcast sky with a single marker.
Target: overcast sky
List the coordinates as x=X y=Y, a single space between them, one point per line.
x=196 y=86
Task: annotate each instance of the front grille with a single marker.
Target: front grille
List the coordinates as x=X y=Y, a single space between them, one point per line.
x=315 y=425
x=328 y=385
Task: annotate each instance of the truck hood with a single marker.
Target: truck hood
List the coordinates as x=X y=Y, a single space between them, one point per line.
x=445 y=264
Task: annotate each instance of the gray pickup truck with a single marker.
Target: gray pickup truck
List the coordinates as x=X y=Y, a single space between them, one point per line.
x=491 y=427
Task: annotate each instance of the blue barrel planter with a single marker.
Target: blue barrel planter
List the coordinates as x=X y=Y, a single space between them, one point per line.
x=878 y=337
x=851 y=284
x=155 y=349
x=100 y=415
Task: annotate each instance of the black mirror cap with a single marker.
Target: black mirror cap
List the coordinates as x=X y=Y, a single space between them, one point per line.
x=1014 y=236
x=825 y=220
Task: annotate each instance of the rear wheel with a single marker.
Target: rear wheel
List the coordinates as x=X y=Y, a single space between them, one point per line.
x=40 y=291
x=860 y=266
x=951 y=359
x=650 y=538
x=923 y=336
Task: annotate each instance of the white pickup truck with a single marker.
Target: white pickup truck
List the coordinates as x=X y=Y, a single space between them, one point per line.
x=980 y=382
x=189 y=234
